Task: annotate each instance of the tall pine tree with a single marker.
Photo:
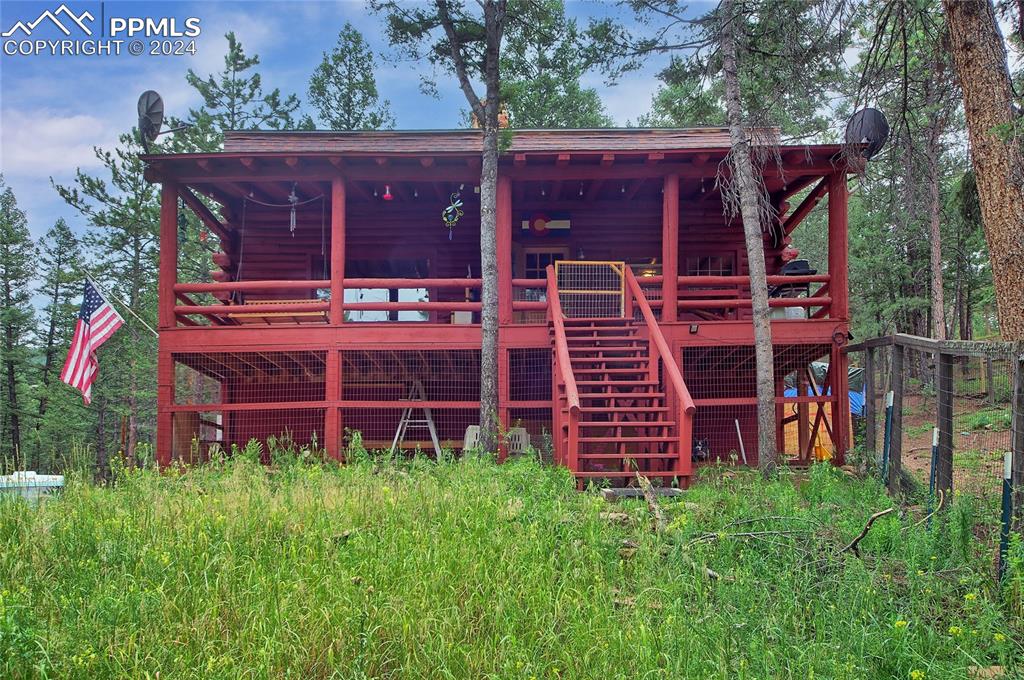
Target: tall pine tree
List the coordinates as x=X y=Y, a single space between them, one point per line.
x=343 y=88
x=123 y=212
x=542 y=63
x=60 y=285
x=233 y=99
x=17 y=267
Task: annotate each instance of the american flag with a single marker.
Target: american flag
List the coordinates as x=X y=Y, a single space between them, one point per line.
x=97 y=321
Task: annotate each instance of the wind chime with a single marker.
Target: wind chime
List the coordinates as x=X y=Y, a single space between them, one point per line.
x=451 y=214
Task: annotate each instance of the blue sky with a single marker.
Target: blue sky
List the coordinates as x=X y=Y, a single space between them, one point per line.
x=55 y=109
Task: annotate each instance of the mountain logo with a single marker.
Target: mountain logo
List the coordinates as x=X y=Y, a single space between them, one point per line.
x=54 y=17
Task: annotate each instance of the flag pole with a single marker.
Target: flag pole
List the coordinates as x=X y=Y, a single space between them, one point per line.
x=118 y=301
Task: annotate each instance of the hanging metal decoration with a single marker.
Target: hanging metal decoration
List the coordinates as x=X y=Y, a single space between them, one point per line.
x=293 y=199
x=451 y=214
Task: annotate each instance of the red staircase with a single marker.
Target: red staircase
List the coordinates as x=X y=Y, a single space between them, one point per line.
x=619 y=408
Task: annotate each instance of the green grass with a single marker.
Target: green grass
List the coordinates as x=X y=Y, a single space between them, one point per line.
x=986 y=419
x=470 y=570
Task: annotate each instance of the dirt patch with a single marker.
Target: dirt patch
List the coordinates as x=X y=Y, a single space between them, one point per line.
x=979 y=442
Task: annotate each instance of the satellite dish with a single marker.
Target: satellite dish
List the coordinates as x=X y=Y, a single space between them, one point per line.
x=151 y=118
x=868 y=126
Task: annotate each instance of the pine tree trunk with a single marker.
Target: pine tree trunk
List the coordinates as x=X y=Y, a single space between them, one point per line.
x=49 y=351
x=935 y=226
x=979 y=55
x=11 y=379
x=750 y=212
x=494 y=21
x=489 y=286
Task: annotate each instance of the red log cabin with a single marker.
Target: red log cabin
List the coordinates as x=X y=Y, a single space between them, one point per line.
x=341 y=305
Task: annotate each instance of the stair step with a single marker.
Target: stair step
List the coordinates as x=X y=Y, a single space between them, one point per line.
x=615 y=383
x=588 y=334
x=619 y=396
x=622 y=456
x=638 y=352
x=625 y=339
x=622 y=409
x=610 y=371
x=646 y=425
x=591 y=344
x=597 y=319
x=619 y=473
x=625 y=440
x=608 y=360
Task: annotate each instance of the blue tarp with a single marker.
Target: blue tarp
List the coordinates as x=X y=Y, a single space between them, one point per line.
x=856 y=400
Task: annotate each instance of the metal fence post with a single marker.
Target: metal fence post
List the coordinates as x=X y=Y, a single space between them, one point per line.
x=887 y=438
x=931 y=474
x=1007 y=515
x=896 y=437
x=869 y=400
x=944 y=417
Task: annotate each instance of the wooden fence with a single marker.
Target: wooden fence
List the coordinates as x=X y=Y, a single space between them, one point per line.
x=922 y=373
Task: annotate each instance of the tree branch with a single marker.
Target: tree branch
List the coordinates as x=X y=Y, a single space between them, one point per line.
x=458 y=58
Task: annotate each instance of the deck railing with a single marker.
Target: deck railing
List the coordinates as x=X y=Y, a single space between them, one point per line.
x=714 y=297
x=309 y=301
x=660 y=354
x=565 y=411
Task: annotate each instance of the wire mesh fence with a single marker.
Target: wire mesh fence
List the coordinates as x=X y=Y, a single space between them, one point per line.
x=944 y=415
x=722 y=382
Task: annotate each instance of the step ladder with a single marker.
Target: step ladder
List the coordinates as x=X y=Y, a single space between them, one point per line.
x=416 y=393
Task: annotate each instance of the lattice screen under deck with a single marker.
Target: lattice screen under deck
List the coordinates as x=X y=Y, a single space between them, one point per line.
x=392 y=375
x=530 y=374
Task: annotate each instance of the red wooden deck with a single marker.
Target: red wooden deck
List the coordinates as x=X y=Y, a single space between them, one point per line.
x=312 y=334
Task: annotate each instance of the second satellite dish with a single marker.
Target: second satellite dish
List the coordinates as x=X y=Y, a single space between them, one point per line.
x=869 y=127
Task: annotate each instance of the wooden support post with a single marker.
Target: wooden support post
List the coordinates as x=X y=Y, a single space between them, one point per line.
x=164 y=417
x=332 y=394
x=780 y=414
x=503 y=398
x=168 y=253
x=870 y=413
x=670 y=248
x=896 y=444
x=337 y=314
x=944 y=471
x=840 y=403
x=503 y=207
x=803 y=420
x=838 y=264
x=1016 y=366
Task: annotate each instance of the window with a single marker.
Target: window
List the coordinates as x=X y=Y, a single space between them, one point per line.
x=537 y=262
x=710 y=265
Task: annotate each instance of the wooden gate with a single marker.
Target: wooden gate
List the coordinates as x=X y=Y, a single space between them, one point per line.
x=589 y=289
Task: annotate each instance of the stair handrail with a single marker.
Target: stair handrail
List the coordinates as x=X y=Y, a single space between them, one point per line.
x=672 y=373
x=569 y=454
x=572 y=395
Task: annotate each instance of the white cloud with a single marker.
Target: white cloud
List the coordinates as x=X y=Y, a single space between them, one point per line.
x=627 y=100
x=39 y=143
